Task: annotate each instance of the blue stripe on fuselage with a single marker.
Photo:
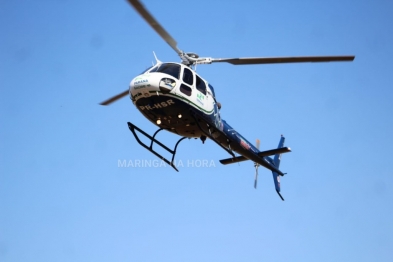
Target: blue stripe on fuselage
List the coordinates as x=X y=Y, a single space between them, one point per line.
x=235 y=136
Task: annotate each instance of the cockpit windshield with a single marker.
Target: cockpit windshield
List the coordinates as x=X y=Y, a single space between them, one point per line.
x=147 y=69
x=168 y=68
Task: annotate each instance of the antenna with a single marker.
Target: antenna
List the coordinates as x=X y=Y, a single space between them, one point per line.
x=157 y=61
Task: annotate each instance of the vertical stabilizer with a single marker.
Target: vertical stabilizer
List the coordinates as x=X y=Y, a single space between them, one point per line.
x=277 y=184
x=277 y=157
x=276 y=161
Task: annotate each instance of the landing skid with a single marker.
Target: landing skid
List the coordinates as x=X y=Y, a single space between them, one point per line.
x=133 y=127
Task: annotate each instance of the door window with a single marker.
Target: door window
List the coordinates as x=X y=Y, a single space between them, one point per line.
x=188 y=76
x=200 y=85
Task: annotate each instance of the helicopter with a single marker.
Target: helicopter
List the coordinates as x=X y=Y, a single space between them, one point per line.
x=176 y=99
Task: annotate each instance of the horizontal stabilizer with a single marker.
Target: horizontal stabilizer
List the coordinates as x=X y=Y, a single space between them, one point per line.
x=233 y=160
x=274 y=151
x=261 y=154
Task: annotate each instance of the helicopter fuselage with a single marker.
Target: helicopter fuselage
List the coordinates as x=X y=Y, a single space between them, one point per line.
x=176 y=99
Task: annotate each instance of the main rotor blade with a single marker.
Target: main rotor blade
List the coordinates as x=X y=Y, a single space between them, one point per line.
x=154 y=24
x=276 y=60
x=114 y=98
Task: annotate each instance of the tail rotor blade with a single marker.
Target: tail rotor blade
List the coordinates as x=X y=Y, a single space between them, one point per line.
x=256 y=176
x=256 y=165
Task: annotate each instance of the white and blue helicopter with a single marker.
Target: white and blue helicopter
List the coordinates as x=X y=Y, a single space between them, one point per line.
x=176 y=99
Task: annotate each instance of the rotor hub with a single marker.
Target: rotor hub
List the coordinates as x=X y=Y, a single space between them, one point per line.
x=192 y=55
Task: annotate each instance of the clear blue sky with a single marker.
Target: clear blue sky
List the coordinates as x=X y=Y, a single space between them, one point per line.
x=63 y=196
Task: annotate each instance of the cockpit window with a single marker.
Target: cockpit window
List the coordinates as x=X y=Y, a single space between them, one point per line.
x=200 y=85
x=168 y=68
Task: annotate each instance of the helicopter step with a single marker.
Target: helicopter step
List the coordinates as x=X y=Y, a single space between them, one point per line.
x=133 y=127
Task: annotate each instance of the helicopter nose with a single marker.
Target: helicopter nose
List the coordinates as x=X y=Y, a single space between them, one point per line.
x=143 y=85
x=152 y=83
x=147 y=85
x=140 y=82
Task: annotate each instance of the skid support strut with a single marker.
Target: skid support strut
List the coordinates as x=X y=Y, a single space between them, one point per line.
x=133 y=127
